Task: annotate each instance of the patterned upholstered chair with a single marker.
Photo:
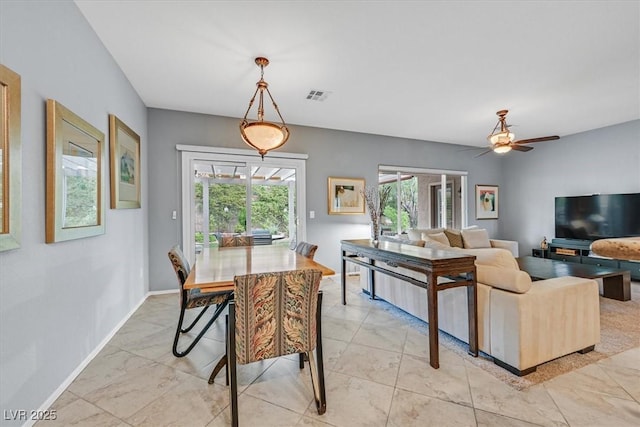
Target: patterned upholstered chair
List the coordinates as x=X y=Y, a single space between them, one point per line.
x=193 y=298
x=276 y=314
x=306 y=249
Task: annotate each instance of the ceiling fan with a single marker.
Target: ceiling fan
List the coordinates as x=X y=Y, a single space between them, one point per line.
x=502 y=141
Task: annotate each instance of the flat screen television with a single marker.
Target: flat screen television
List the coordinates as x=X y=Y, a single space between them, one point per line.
x=598 y=216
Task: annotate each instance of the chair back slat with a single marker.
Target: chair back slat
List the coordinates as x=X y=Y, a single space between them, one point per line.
x=275 y=314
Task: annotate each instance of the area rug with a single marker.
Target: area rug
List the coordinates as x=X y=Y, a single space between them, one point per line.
x=619 y=331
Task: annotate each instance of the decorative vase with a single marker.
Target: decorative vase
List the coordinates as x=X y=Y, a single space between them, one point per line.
x=375 y=232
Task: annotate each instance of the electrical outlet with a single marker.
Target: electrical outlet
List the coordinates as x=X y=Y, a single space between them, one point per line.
x=174 y=215
x=312 y=214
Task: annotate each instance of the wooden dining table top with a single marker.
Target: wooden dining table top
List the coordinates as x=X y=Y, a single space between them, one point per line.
x=215 y=268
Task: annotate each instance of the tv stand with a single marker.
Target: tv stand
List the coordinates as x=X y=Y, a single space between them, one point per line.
x=569 y=250
x=579 y=251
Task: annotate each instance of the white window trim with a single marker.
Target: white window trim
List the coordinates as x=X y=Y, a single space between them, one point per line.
x=191 y=153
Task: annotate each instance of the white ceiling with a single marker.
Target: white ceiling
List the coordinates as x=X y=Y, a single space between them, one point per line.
x=427 y=70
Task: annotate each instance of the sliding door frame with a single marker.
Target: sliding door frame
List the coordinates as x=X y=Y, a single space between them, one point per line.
x=190 y=154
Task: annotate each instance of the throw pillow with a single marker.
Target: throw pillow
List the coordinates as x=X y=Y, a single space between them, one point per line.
x=438 y=237
x=455 y=238
x=434 y=244
x=475 y=238
x=416 y=233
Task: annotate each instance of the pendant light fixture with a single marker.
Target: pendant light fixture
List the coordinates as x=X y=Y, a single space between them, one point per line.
x=262 y=135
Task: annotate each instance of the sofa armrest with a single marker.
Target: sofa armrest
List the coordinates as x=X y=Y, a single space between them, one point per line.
x=556 y=317
x=510 y=245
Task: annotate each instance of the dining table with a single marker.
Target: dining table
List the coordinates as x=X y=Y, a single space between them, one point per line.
x=215 y=269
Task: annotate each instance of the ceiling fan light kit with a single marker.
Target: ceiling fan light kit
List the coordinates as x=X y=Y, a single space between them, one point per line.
x=502 y=141
x=262 y=135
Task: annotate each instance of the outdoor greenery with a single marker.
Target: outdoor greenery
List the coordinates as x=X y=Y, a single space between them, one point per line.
x=227 y=208
x=408 y=204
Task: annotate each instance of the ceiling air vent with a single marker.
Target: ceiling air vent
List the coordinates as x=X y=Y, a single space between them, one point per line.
x=318 y=95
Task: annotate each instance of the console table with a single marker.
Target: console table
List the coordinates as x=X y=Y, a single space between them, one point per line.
x=460 y=269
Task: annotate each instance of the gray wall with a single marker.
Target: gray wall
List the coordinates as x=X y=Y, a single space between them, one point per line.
x=331 y=153
x=59 y=301
x=605 y=160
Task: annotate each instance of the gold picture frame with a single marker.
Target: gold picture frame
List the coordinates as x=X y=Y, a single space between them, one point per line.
x=344 y=196
x=75 y=176
x=10 y=160
x=124 y=153
x=487 y=202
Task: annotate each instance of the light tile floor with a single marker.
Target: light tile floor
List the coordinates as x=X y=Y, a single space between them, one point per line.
x=376 y=369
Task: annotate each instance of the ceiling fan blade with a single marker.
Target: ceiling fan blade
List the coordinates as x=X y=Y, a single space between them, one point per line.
x=472 y=148
x=521 y=147
x=484 y=152
x=531 y=140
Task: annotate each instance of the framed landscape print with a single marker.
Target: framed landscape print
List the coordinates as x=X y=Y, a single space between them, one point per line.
x=75 y=182
x=345 y=196
x=10 y=159
x=487 y=202
x=124 y=151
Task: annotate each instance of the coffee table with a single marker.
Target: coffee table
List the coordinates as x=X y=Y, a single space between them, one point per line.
x=616 y=283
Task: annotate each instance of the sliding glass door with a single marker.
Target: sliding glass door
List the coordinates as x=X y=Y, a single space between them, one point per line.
x=231 y=194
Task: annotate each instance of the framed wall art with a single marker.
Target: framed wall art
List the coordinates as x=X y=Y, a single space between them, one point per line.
x=75 y=177
x=124 y=152
x=345 y=196
x=487 y=202
x=10 y=159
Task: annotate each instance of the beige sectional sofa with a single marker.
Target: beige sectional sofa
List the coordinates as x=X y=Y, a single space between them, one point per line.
x=521 y=324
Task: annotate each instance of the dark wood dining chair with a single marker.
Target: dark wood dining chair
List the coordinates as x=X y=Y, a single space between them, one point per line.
x=306 y=249
x=272 y=315
x=193 y=298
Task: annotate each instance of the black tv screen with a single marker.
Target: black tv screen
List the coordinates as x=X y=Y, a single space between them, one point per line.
x=599 y=216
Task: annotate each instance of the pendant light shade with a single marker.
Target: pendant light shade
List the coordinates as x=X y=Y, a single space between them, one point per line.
x=501 y=140
x=262 y=135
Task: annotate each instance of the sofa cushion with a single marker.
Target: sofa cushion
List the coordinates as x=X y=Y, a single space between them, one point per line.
x=509 y=280
x=455 y=238
x=475 y=238
x=438 y=237
x=414 y=242
x=416 y=233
